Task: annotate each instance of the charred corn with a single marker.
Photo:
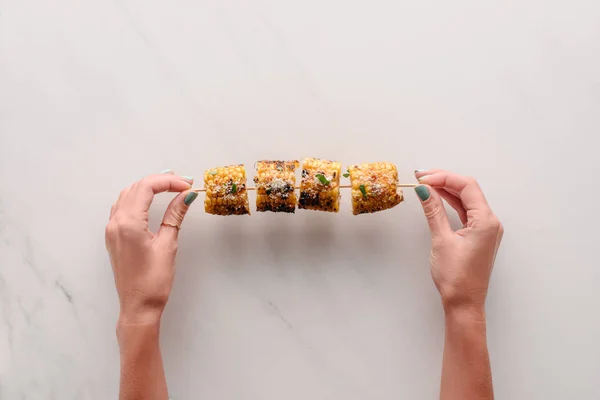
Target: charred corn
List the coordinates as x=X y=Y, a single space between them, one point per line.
x=275 y=182
x=226 y=192
x=320 y=185
x=374 y=187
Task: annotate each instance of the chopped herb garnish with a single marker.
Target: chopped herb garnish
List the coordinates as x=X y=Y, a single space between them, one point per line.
x=322 y=179
x=347 y=174
x=363 y=191
x=233 y=188
x=213 y=172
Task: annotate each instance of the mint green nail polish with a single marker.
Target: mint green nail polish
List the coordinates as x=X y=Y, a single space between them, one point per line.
x=422 y=192
x=166 y=171
x=188 y=178
x=190 y=197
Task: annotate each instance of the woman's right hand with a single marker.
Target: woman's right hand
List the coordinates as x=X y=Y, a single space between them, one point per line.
x=462 y=260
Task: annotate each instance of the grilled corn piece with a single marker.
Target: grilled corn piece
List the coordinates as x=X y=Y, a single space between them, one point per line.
x=374 y=187
x=320 y=185
x=226 y=192
x=275 y=181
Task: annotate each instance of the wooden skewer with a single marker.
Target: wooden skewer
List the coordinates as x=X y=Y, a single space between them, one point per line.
x=407 y=185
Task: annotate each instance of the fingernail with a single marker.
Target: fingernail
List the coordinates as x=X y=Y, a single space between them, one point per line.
x=188 y=178
x=422 y=192
x=166 y=171
x=190 y=197
x=420 y=170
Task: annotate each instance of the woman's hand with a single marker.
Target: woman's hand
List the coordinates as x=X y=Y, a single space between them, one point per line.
x=461 y=265
x=143 y=261
x=461 y=261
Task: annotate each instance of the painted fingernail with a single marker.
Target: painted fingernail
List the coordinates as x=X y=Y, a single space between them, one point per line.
x=190 y=197
x=188 y=178
x=166 y=171
x=420 y=170
x=422 y=192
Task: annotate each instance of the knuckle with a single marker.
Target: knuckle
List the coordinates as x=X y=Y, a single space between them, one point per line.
x=433 y=211
x=119 y=226
x=471 y=180
x=178 y=214
x=111 y=230
x=144 y=182
x=493 y=223
x=500 y=228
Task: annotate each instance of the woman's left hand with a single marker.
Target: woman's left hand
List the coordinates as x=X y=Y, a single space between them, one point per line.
x=143 y=261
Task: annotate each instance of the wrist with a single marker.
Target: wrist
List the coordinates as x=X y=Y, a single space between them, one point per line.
x=465 y=314
x=139 y=319
x=456 y=300
x=129 y=329
x=134 y=312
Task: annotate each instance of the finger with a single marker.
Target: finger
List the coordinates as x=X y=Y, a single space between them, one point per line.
x=174 y=215
x=465 y=188
x=422 y=172
x=454 y=203
x=144 y=191
x=439 y=225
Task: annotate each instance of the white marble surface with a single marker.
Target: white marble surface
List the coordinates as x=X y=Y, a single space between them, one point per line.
x=95 y=94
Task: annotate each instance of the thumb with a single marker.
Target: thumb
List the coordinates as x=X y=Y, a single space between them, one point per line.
x=434 y=210
x=173 y=218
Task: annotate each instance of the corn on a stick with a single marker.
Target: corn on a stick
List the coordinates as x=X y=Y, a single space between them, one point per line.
x=275 y=183
x=374 y=187
x=226 y=192
x=319 y=188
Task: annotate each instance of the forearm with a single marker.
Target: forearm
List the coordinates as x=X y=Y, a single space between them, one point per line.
x=466 y=372
x=142 y=373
